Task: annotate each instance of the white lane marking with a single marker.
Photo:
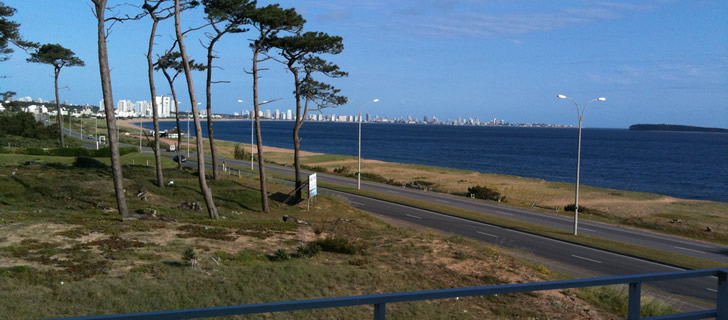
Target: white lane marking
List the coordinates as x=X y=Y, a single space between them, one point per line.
x=681 y=248
x=566 y=243
x=358 y=203
x=487 y=234
x=590 y=230
x=501 y=212
x=411 y=216
x=587 y=259
x=442 y=201
x=709 y=289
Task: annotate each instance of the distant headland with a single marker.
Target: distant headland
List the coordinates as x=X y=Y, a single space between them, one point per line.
x=674 y=127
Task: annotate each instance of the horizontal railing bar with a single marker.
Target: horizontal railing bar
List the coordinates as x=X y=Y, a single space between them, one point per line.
x=384 y=298
x=685 y=316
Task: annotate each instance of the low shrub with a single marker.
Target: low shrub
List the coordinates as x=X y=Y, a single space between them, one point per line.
x=482 y=192
x=89 y=163
x=279 y=255
x=337 y=245
x=572 y=207
x=188 y=255
x=342 y=170
x=315 y=168
x=309 y=250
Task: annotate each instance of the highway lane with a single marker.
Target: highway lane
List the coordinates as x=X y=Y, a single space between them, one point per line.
x=644 y=238
x=594 y=260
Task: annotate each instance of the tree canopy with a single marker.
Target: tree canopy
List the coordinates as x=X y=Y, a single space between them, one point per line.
x=56 y=55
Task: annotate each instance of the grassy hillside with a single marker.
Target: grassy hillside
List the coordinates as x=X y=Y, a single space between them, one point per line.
x=65 y=252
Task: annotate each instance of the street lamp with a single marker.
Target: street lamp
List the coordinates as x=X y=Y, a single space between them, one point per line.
x=580 y=114
x=141 y=133
x=358 y=172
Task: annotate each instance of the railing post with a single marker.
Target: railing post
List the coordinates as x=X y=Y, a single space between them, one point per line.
x=380 y=310
x=721 y=301
x=635 y=295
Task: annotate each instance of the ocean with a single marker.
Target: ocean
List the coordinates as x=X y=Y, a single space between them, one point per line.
x=686 y=165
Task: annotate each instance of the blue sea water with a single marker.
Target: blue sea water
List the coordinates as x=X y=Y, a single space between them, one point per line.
x=681 y=164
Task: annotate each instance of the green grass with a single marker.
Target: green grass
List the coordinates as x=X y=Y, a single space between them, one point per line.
x=94 y=263
x=614 y=299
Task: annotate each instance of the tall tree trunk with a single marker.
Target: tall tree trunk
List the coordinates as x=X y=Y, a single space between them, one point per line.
x=208 y=96
x=58 y=106
x=296 y=130
x=178 y=149
x=100 y=8
x=153 y=91
x=170 y=80
x=261 y=164
x=212 y=211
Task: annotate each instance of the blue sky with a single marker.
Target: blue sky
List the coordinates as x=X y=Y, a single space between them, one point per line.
x=656 y=61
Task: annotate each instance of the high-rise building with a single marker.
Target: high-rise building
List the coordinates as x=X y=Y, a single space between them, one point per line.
x=164 y=106
x=124 y=108
x=289 y=114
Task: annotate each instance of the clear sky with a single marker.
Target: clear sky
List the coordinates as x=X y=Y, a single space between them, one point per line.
x=656 y=61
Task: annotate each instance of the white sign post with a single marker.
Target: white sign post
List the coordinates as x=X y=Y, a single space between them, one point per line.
x=312 y=188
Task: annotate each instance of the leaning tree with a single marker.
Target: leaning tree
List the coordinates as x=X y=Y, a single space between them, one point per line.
x=168 y=63
x=299 y=53
x=268 y=21
x=207 y=193
x=99 y=10
x=224 y=16
x=157 y=10
x=59 y=57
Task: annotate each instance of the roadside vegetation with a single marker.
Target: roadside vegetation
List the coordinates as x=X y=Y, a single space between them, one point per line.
x=695 y=219
x=64 y=247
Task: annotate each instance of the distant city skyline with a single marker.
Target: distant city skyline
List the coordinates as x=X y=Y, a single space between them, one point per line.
x=143 y=109
x=656 y=61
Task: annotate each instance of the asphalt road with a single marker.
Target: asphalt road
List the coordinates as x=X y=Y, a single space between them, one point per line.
x=586 y=258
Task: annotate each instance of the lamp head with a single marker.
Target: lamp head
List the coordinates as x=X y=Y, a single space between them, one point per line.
x=375 y=100
x=241 y=101
x=602 y=99
x=561 y=96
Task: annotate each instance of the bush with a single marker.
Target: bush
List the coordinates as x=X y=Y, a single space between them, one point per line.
x=315 y=168
x=240 y=153
x=309 y=250
x=572 y=207
x=188 y=255
x=482 y=192
x=342 y=170
x=280 y=255
x=90 y=163
x=35 y=152
x=337 y=245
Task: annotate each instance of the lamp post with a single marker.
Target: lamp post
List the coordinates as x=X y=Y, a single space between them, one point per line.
x=96 y=131
x=580 y=115
x=358 y=171
x=251 y=127
x=251 y=136
x=140 y=134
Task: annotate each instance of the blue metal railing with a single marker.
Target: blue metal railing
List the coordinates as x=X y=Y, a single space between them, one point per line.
x=379 y=301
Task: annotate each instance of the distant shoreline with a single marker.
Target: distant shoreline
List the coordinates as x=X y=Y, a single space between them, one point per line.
x=674 y=128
